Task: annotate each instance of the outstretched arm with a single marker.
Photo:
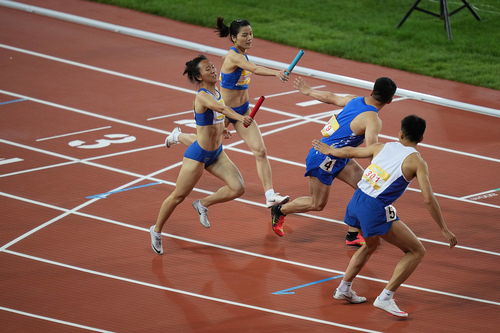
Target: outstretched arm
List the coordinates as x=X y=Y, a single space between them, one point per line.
x=347 y=152
x=240 y=61
x=431 y=202
x=323 y=96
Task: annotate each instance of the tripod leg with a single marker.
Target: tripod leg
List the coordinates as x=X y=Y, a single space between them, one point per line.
x=446 y=16
x=408 y=13
x=472 y=10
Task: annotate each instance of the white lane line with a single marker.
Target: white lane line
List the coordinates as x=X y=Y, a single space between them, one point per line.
x=69 y=134
x=187 y=293
x=258 y=60
x=83 y=160
x=284 y=113
x=253 y=203
x=480 y=193
x=169 y=115
x=54 y=320
x=288 y=92
x=87 y=113
x=244 y=252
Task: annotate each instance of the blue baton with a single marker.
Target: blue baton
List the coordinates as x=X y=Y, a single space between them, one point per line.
x=294 y=62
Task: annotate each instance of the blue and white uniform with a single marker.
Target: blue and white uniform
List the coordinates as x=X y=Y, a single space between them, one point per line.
x=207 y=118
x=237 y=80
x=337 y=133
x=383 y=182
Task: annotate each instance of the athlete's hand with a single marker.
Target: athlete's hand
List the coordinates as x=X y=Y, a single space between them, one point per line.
x=450 y=237
x=226 y=133
x=282 y=76
x=247 y=121
x=323 y=148
x=302 y=86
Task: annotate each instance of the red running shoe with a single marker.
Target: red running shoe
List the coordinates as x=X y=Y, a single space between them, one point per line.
x=277 y=220
x=359 y=241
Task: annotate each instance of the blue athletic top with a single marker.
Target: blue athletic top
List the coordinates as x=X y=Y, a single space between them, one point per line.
x=338 y=129
x=237 y=80
x=209 y=117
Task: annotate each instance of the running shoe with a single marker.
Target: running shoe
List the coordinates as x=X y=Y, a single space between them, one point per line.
x=169 y=141
x=277 y=220
x=203 y=212
x=156 y=243
x=389 y=306
x=277 y=199
x=359 y=241
x=349 y=296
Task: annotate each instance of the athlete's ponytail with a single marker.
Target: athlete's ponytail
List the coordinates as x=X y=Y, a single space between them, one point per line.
x=222 y=29
x=231 y=31
x=193 y=70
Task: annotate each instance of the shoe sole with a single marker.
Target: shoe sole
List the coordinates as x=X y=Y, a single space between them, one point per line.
x=399 y=315
x=349 y=299
x=284 y=201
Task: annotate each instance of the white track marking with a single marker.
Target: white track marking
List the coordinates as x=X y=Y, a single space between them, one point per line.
x=69 y=134
x=231 y=249
x=187 y=293
x=58 y=321
x=170 y=115
x=284 y=113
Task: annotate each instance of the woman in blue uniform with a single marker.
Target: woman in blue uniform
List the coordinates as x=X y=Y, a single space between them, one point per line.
x=235 y=78
x=204 y=153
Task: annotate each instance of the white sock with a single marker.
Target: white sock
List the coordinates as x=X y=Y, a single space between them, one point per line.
x=269 y=193
x=386 y=295
x=345 y=286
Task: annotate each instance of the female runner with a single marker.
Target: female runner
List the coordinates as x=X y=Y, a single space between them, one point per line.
x=235 y=77
x=204 y=153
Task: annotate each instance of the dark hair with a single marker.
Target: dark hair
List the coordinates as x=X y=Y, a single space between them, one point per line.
x=413 y=128
x=192 y=70
x=232 y=30
x=384 y=89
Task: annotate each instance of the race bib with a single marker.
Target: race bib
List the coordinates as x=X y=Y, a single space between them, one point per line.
x=327 y=164
x=390 y=213
x=375 y=176
x=331 y=126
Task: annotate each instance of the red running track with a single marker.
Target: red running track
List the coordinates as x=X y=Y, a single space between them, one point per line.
x=70 y=263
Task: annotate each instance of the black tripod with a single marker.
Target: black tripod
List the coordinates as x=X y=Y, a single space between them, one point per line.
x=444 y=14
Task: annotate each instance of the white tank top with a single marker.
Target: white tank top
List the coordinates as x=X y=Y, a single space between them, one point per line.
x=383 y=179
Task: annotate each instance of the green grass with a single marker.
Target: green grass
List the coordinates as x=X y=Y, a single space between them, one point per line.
x=362 y=30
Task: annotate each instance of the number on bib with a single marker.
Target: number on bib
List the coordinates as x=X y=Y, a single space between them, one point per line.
x=390 y=213
x=331 y=126
x=327 y=164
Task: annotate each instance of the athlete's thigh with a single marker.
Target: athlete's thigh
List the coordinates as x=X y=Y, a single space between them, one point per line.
x=351 y=174
x=401 y=236
x=226 y=170
x=189 y=175
x=251 y=135
x=319 y=191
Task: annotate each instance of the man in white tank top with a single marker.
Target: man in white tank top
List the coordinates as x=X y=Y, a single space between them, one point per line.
x=392 y=168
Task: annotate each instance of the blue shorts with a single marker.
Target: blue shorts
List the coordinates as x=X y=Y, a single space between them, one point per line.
x=324 y=167
x=208 y=157
x=242 y=109
x=369 y=214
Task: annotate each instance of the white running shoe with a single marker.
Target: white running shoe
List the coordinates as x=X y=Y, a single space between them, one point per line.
x=156 y=244
x=349 y=296
x=203 y=212
x=389 y=306
x=277 y=199
x=169 y=141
